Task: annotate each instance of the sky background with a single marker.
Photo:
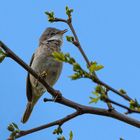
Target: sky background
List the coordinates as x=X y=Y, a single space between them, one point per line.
x=109 y=31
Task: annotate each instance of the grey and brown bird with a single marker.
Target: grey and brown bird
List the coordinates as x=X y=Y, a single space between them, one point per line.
x=44 y=64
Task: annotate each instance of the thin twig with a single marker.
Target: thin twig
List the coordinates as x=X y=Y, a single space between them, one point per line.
x=122 y=106
x=125 y=96
x=110 y=107
x=95 y=77
x=58 y=122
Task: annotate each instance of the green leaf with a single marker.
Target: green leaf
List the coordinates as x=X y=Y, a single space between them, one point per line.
x=95 y=93
x=61 y=138
x=15 y=125
x=71 y=135
x=76 y=76
x=58 y=130
x=99 y=67
x=11 y=127
x=94 y=100
x=99 y=89
x=71 y=60
x=69 y=11
x=95 y=67
x=50 y=16
x=59 y=56
x=2 y=55
x=92 y=67
x=76 y=67
x=70 y=39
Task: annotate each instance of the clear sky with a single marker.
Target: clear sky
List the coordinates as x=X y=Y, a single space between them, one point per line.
x=109 y=31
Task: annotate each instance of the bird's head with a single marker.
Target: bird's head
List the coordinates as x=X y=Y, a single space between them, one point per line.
x=52 y=34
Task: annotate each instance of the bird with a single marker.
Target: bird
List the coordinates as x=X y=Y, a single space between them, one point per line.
x=44 y=64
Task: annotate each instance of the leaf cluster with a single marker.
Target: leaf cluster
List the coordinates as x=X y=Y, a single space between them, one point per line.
x=99 y=94
x=59 y=131
x=50 y=16
x=14 y=129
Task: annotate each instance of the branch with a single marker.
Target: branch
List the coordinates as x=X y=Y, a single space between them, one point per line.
x=122 y=106
x=78 y=45
x=12 y=55
x=58 y=122
x=81 y=109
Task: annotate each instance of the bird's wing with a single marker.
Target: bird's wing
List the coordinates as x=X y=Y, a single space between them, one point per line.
x=28 y=84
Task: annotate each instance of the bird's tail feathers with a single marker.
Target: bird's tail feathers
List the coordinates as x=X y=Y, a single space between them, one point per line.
x=27 y=112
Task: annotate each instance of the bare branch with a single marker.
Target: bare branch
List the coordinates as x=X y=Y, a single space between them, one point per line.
x=58 y=122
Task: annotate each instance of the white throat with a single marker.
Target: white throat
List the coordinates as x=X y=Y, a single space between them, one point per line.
x=56 y=37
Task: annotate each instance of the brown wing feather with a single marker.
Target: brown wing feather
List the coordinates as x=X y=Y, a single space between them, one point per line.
x=28 y=84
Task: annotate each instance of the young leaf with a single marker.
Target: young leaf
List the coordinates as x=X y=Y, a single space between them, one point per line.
x=94 y=100
x=61 y=138
x=68 y=11
x=50 y=16
x=71 y=135
x=15 y=125
x=70 y=38
x=99 y=67
x=95 y=93
x=95 y=67
x=11 y=127
x=75 y=76
x=122 y=91
x=59 y=56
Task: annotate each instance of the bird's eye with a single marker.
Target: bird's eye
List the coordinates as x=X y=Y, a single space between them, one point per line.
x=52 y=34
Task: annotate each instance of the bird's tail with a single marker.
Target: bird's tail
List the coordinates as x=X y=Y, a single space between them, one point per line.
x=27 y=112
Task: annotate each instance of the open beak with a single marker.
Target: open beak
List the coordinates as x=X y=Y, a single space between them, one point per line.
x=63 y=31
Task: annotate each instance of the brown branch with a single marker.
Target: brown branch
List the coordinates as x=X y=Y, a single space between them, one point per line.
x=58 y=122
x=122 y=106
x=81 y=109
x=78 y=45
x=125 y=96
x=12 y=55
x=68 y=21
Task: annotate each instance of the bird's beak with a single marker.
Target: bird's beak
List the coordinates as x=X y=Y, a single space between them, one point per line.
x=63 y=31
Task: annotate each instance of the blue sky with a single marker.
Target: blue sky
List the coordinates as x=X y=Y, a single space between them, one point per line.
x=109 y=32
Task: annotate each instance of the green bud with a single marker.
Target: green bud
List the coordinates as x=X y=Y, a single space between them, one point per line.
x=99 y=89
x=75 y=76
x=11 y=127
x=71 y=60
x=15 y=125
x=70 y=39
x=50 y=16
x=59 y=56
x=71 y=135
x=61 y=138
x=76 y=67
x=69 y=11
x=95 y=67
x=122 y=91
x=60 y=131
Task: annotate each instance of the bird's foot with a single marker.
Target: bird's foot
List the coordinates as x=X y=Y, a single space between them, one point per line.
x=58 y=95
x=43 y=74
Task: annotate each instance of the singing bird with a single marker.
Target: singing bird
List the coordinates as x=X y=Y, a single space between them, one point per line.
x=44 y=65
